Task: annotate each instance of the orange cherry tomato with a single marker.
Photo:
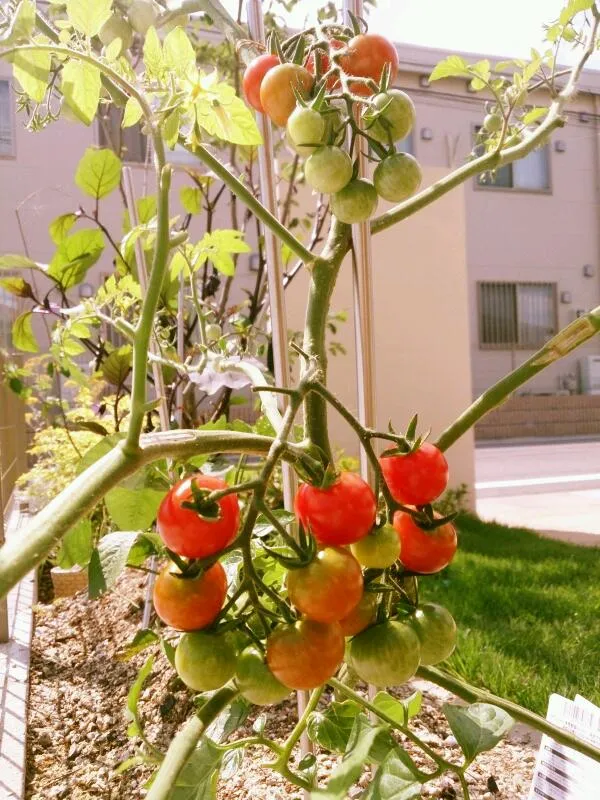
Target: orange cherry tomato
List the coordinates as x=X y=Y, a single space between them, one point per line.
x=328 y=588
x=189 y=604
x=306 y=654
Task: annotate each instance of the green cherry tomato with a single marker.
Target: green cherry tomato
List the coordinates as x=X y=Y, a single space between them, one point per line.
x=255 y=680
x=436 y=629
x=205 y=661
x=493 y=123
x=397 y=118
x=328 y=169
x=379 y=550
x=306 y=128
x=356 y=202
x=397 y=177
x=385 y=655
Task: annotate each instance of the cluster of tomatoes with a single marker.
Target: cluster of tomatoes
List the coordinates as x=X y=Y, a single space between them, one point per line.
x=335 y=607
x=317 y=101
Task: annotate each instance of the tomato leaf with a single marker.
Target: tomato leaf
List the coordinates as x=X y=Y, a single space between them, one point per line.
x=133 y=509
x=32 y=70
x=22 y=333
x=133 y=697
x=81 y=86
x=17 y=286
x=331 y=728
x=76 y=547
x=109 y=560
x=398 y=710
x=478 y=727
x=198 y=779
x=21 y=25
x=88 y=16
x=154 y=61
x=132 y=114
x=394 y=780
x=117 y=365
x=16 y=261
x=75 y=255
x=98 y=172
x=450 y=67
x=191 y=199
x=140 y=641
x=60 y=227
x=351 y=767
x=99 y=450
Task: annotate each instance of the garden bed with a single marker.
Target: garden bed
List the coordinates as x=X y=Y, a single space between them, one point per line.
x=77 y=727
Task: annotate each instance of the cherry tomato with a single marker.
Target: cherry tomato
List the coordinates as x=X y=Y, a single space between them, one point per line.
x=189 y=604
x=340 y=514
x=386 y=654
x=416 y=478
x=329 y=587
x=253 y=78
x=436 y=629
x=306 y=127
x=205 y=661
x=366 y=56
x=397 y=177
x=255 y=680
x=188 y=533
x=396 y=119
x=328 y=169
x=361 y=616
x=356 y=202
x=424 y=551
x=379 y=550
x=304 y=655
x=277 y=90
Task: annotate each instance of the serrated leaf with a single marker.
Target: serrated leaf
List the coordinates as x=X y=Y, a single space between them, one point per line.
x=32 y=70
x=112 y=553
x=198 y=779
x=219 y=247
x=350 y=769
x=81 y=87
x=153 y=54
x=76 y=547
x=178 y=53
x=228 y=119
x=133 y=509
x=450 y=67
x=88 y=16
x=478 y=727
x=394 y=780
x=132 y=114
x=16 y=286
x=98 y=172
x=61 y=226
x=331 y=728
x=22 y=333
x=398 y=710
x=191 y=199
x=75 y=255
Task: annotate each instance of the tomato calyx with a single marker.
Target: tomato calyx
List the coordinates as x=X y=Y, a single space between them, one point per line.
x=202 y=503
x=305 y=550
x=408 y=442
x=426 y=519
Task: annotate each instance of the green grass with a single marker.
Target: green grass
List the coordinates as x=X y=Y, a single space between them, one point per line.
x=528 y=612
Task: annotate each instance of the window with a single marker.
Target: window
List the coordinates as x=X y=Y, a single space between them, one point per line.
x=6 y=120
x=529 y=174
x=8 y=313
x=131 y=142
x=516 y=315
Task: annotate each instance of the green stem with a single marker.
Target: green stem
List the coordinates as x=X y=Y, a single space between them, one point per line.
x=575 y=334
x=241 y=191
x=474 y=695
x=185 y=742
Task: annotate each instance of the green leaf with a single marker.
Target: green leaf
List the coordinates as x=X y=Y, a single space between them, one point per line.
x=133 y=698
x=75 y=255
x=450 y=67
x=140 y=641
x=22 y=24
x=153 y=55
x=133 y=509
x=112 y=553
x=179 y=54
x=218 y=248
x=117 y=365
x=98 y=172
x=96 y=582
x=15 y=261
x=574 y=7
x=170 y=128
x=401 y=711
x=478 y=727
x=533 y=115
x=81 y=87
x=76 y=547
x=191 y=199
x=17 y=286
x=394 y=780
x=331 y=728
x=60 y=227
x=22 y=333
x=350 y=769
x=99 y=450
x=132 y=114
x=32 y=69
x=198 y=779
x=228 y=119
x=88 y=16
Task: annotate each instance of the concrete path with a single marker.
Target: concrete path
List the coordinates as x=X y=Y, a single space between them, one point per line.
x=552 y=487
x=14 y=678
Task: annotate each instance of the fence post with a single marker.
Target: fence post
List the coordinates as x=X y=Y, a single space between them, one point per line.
x=4 y=600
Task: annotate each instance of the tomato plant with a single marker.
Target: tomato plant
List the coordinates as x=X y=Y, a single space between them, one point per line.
x=192 y=529
x=205 y=661
x=306 y=654
x=253 y=78
x=189 y=604
x=424 y=551
x=415 y=478
x=328 y=588
x=387 y=654
x=339 y=514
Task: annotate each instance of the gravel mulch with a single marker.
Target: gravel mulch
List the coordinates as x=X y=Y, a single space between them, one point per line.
x=77 y=726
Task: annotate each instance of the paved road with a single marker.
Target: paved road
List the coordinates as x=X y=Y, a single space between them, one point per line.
x=548 y=487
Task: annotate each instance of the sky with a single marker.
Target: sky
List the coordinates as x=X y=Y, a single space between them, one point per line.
x=507 y=28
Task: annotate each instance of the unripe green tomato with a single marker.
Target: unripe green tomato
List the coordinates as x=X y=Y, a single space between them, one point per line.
x=213 y=332
x=379 y=550
x=493 y=123
x=116 y=27
x=306 y=127
x=436 y=629
x=205 y=661
x=356 y=202
x=385 y=655
x=516 y=96
x=255 y=680
x=142 y=14
x=328 y=169
x=397 y=177
x=398 y=118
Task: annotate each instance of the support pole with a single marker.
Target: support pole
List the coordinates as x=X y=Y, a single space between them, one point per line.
x=268 y=196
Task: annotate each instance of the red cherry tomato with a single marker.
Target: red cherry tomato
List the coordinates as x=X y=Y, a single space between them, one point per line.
x=361 y=616
x=189 y=604
x=416 y=478
x=253 y=77
x=366 y=56
x=340 y=514
x=188 y=533
x=424 y=551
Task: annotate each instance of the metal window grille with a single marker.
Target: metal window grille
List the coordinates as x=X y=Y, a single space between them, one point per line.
x=6 y=120
x=516 y=315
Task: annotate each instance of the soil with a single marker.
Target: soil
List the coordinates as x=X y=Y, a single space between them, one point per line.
x=77 y=733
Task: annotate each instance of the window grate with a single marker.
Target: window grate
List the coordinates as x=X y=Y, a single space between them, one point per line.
x=516 y=315
x=6 y=120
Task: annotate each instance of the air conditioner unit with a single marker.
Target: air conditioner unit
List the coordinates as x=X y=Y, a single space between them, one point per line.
x=589 y=367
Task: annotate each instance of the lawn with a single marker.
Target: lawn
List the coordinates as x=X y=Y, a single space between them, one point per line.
x=528 y=611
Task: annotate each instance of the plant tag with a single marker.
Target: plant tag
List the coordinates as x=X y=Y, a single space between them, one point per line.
x=560 y=772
